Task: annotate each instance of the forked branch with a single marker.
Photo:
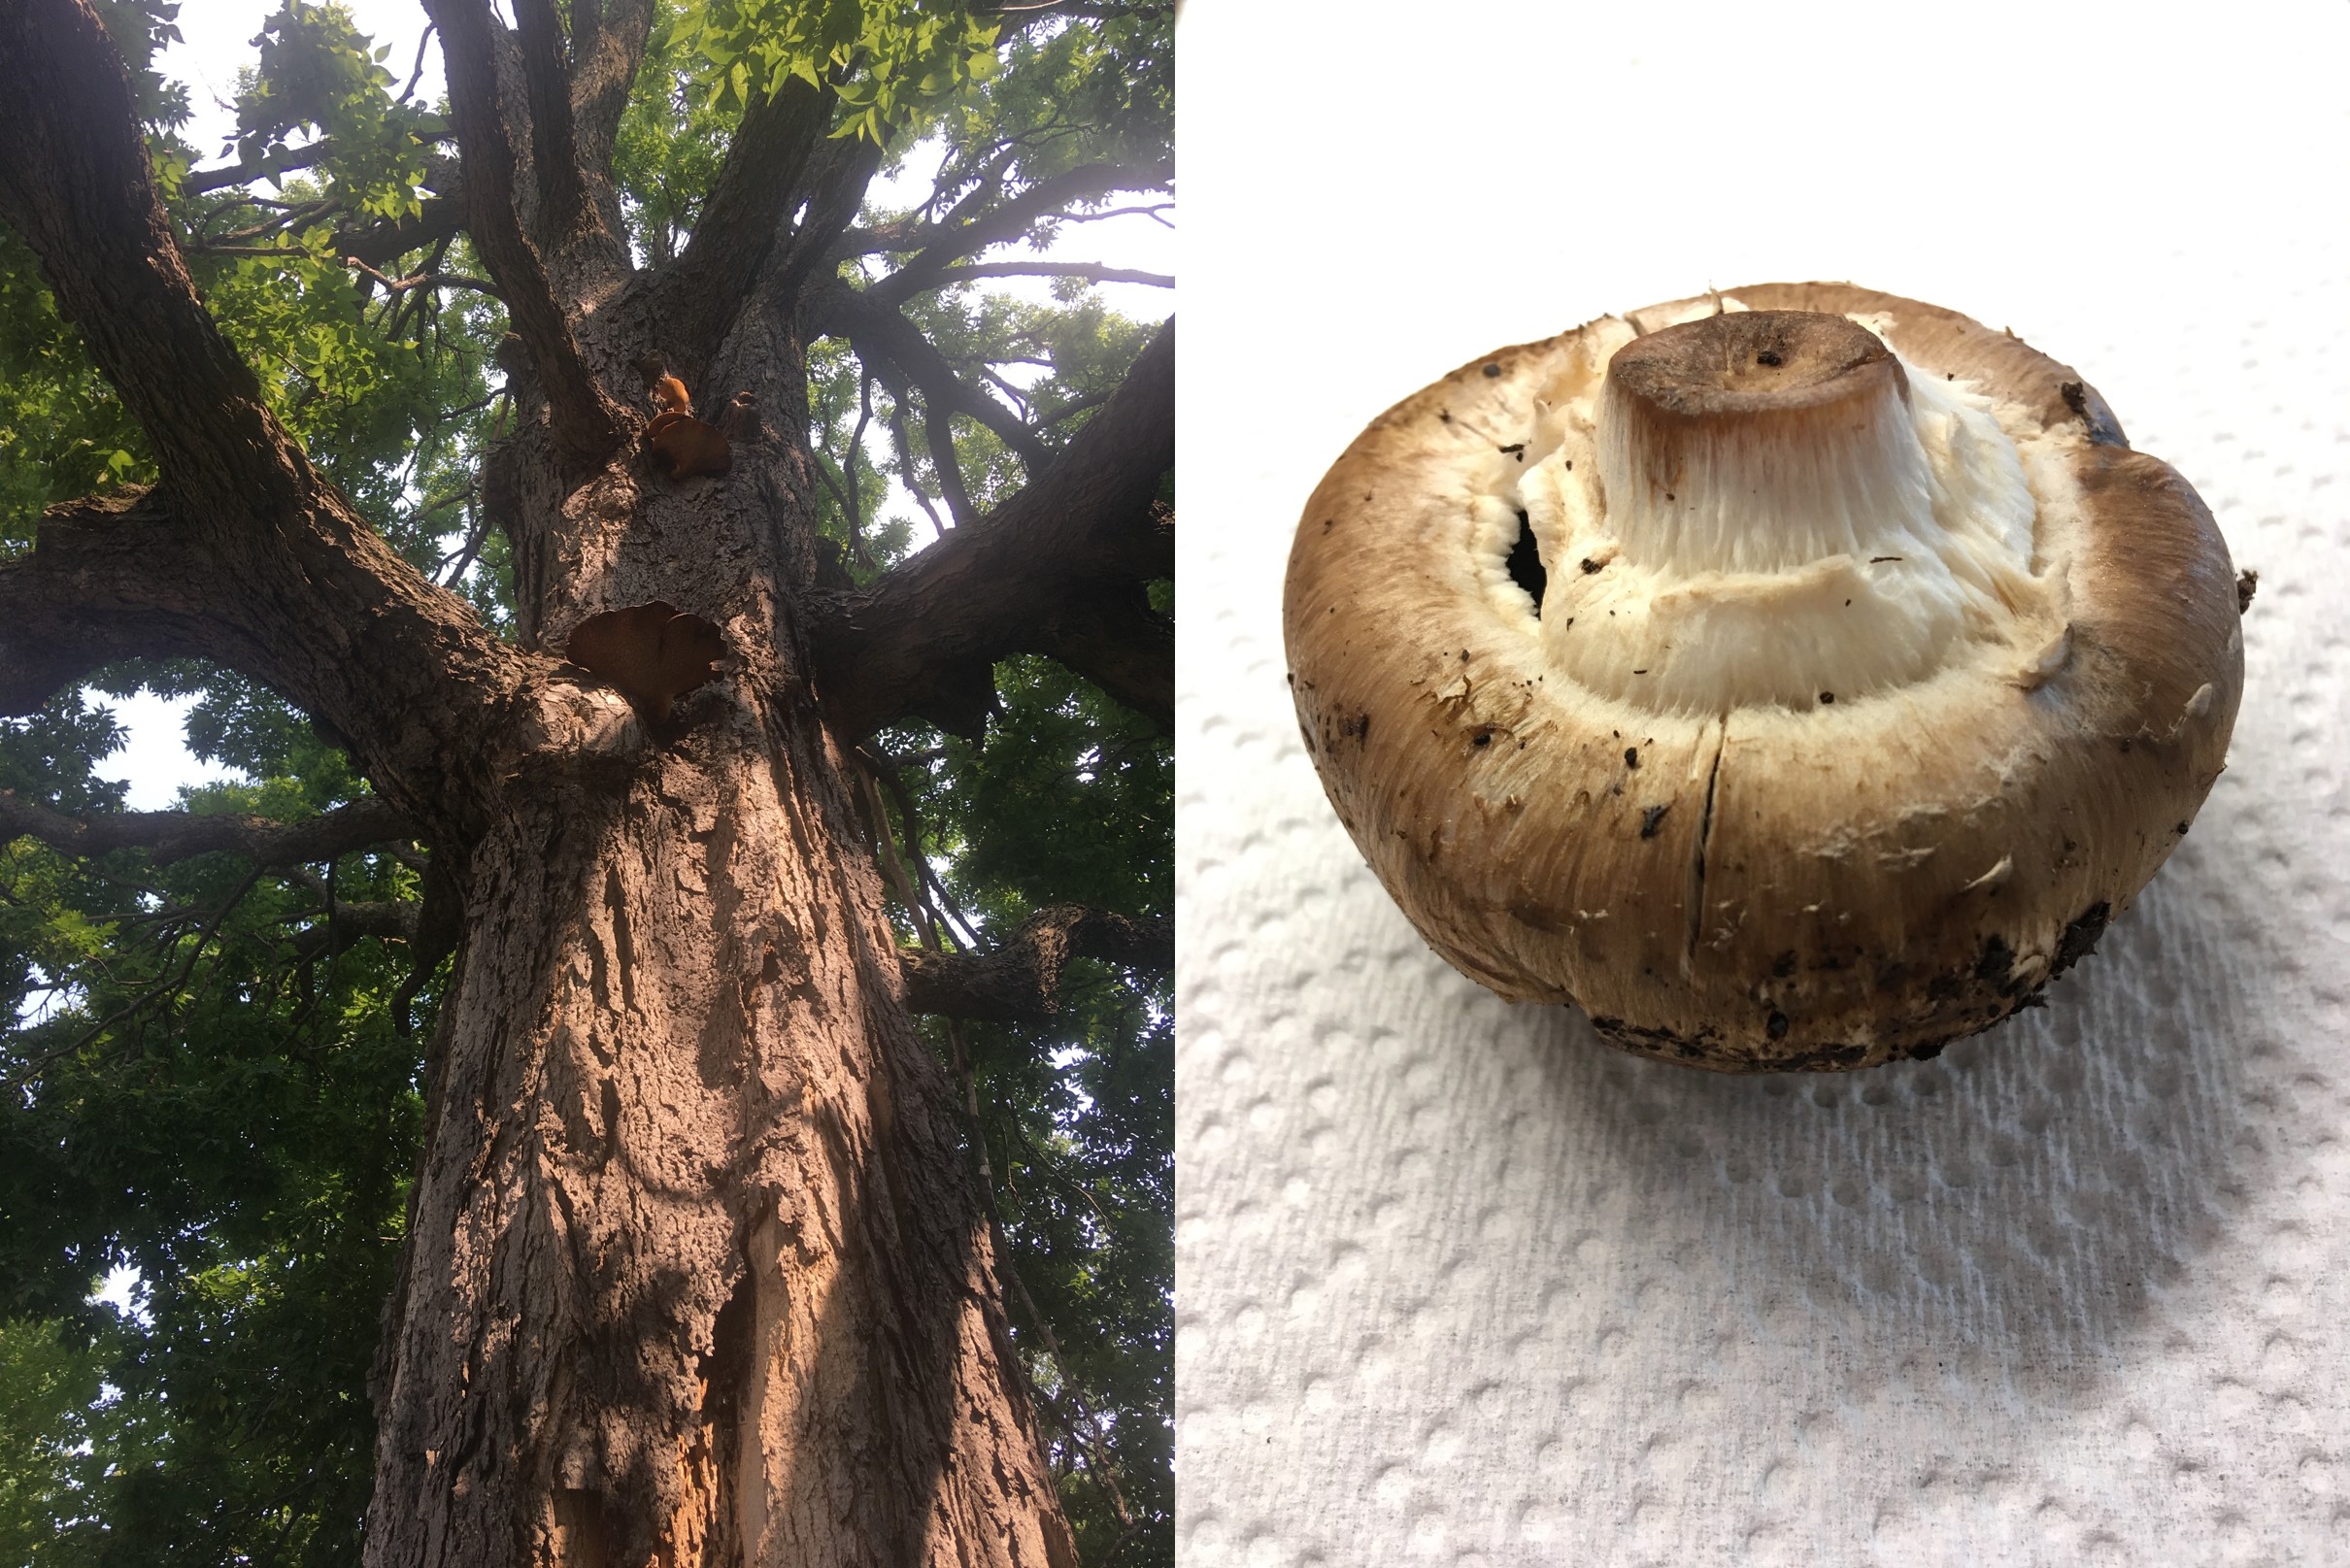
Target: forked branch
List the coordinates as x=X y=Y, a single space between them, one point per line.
x=586 y=422
x=75 y=184
x=761 y=181
x=1057 y=568
x=608 y=40
x=903 y=358
x=243 y=554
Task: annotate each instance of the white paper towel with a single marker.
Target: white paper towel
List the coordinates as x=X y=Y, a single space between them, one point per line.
x=1457 y=1282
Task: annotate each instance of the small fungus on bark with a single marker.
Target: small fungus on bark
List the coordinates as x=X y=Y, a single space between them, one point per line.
x=1930 y=662
x=651 y=651
x=674 y=441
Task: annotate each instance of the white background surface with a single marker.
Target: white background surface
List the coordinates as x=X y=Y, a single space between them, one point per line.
x=1457 y=1282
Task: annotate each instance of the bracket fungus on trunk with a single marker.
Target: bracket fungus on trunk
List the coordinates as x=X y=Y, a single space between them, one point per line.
x=1799 y=677
x=653 y=652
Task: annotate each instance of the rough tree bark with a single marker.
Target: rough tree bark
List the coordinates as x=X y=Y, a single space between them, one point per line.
x=696 y=1273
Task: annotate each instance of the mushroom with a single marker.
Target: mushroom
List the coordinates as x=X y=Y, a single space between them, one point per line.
x=1795 y=678
x=653 y=652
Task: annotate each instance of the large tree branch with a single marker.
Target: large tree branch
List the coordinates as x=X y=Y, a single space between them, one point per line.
x=317 y=606
x=759 y=184
x=838 y=172
x=903 y=358
x=586 y=423
x=381 y=243
x=268 y=167
x=106 y=580
x=973 y=227
x=75 y=184
x=1117 y=641
x=245 y=554
x=340 y=926
x=177 y=835
x=554 y=158
x=1020 y=982
x=608 y=41
x=1046 y=572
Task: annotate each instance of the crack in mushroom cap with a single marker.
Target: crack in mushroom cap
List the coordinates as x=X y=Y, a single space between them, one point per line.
x=1864 y=685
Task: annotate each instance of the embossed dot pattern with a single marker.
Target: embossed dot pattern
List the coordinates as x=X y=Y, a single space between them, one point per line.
x=1459 y=1283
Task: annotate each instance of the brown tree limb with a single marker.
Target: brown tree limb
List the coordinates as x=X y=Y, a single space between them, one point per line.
x=760 y=183
x=1020 y=982
x=75 y=184
x=966 y=231
x=269 y=167
x=1117 y=641
x=554 y=158
x=422 y=279
x=938 y=431
x=588 y=424
x=171 y=836
x=106 y=580
x=903 y=446
x=440 y=930
x=314 y=605
x=341 y=925
x=901 y=357
x=1055 y=562
x=1095 y=272
x=380 y=244
x=244 y=554
x=837 y=175
x=608 y=42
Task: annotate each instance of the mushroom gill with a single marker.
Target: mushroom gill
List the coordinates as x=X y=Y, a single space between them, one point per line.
x=1773 y=506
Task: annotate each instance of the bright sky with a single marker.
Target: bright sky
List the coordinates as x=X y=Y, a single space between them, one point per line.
x=219 y=37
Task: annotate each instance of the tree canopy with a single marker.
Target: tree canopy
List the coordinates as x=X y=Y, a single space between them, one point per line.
x=218 y=1017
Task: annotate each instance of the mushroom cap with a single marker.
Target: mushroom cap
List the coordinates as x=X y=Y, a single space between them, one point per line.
x=653 y=652
x=1778 y=878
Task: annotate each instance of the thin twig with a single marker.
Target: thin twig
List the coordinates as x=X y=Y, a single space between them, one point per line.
x=857 y=445
x=422 y=279
x=905 y=467
x=1090 y=271
x=417 y=74
x=886 y=771
x=137 y=1004
x=925 y=918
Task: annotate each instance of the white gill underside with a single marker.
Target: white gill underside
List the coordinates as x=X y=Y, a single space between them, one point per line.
x=1776 y=578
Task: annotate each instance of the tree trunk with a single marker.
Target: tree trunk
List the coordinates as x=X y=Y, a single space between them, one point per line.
x=696 y=1274
x=695 y=1271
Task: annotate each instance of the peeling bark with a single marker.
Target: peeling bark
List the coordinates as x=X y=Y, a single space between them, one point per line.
x=696 y=1273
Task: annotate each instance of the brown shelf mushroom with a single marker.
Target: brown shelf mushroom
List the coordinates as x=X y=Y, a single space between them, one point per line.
x=1794 y=677
x=653 y=652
